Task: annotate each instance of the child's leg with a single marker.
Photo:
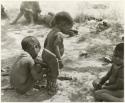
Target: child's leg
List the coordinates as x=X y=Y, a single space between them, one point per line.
x=108 y=95
x=52 y=63
x=52 y=73
x=35 y=17
x=18 y=17
x=29 y=17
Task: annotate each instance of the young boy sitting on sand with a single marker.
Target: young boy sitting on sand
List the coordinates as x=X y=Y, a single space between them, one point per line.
x=30 y=10
x=54 y=49
x=113 y=91
x=24 y=72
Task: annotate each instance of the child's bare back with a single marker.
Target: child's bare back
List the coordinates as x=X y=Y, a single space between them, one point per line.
x=21 y=78
x=24 y=71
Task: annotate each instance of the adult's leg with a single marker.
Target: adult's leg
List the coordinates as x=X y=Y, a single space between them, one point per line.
x=108 y=95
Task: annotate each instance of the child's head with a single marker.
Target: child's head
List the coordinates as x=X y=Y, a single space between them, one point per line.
x=118 y=56
x=63 y=21
x=31 y=45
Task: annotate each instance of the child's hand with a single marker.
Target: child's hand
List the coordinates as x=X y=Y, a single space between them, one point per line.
x=97 y=85
x=104 y=87
x=60 y=64
x=40 y=61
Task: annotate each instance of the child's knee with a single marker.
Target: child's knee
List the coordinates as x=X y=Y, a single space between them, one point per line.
x=98 y=92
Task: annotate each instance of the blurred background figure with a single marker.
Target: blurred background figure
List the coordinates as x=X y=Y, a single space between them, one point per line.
x=3 y=13
x=30 y=10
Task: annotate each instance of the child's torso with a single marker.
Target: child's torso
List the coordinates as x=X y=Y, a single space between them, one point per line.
x=51 y=39
x=116 y=72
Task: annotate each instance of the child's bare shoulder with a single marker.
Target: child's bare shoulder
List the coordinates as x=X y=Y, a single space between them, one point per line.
x=59 y=35
x=26 y=60
x=58 y=38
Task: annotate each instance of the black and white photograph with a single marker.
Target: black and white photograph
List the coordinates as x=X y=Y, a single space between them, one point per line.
x=62 y=50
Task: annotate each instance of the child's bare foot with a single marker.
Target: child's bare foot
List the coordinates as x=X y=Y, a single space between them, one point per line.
x=52 y=87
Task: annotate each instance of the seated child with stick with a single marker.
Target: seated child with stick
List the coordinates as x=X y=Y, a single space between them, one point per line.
x=113 y=91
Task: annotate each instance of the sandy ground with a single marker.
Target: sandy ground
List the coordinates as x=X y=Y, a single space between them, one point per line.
x=83 y=70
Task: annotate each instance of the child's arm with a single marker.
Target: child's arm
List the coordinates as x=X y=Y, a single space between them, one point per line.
x=119 y=84
x=59 y=57
x=57 y=51
x=56 y=45
x=106 y=77
x=39 y=60
x=57 y=42
x=45 y=43
x=34 y=73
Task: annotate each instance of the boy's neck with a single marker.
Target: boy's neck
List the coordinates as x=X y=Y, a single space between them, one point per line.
x=56 y=29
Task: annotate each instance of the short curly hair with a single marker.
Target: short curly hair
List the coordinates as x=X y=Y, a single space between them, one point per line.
x=28 y=42
x=63 y=17
x=120 y=48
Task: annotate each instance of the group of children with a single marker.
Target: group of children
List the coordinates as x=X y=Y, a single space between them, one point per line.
x=24 y=73
x=28 y=68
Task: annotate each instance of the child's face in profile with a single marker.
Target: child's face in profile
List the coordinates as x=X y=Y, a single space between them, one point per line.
x=34 y=51
x=118 y=58
x=66 y=28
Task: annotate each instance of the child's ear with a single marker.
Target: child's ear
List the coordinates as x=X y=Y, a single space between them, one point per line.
x=34 y=46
